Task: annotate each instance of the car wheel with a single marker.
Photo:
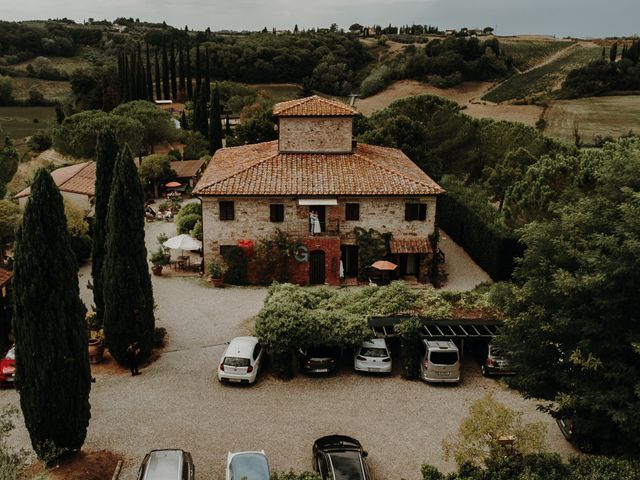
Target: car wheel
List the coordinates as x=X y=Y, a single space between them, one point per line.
x=485 y=372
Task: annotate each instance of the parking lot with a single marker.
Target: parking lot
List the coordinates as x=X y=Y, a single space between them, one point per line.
x=177 y=401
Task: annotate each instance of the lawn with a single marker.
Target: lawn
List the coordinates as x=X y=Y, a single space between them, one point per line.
x=529 y=53
x=593 y=116
x=65 y=64
x=545 y=79
x=20 y=122
x=279 y=92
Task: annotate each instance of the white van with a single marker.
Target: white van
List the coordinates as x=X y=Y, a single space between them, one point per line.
x=440 y=361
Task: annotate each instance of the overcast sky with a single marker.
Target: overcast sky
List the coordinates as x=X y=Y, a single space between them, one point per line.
x=582 y=18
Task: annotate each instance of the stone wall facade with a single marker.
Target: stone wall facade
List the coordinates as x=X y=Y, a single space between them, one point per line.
x=315 y=134
x=252 y=222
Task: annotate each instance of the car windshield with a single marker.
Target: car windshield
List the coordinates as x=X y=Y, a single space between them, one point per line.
x=236 y=361
x=495 y=352
x=252 y=466
x=320 y=352
x=444 y=358
x=11 y=354
x=347 y=466
x=373 y=352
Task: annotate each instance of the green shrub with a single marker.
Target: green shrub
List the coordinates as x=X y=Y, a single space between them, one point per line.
x=185 y=223
x=409 y=333
x=81 y=246
x=376 y=81
x=191 y=208
x=159 y=333
x=290 y=475
x=40 y=141
x=237 y=264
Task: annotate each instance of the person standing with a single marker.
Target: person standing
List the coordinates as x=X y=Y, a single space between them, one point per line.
x=316 y=223
x=133 y=351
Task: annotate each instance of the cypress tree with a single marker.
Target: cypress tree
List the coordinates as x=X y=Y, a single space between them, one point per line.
x=181 y=80
x=227 y=126
x=215 y=126
x=188 y=71
x=157 y=76
x=142 y=79
x=207 y=74
x=60 y=116
x=126 y=80
x=52 y=365
x=203 y=124
x=149 y=76
x=195 y=114
x=198 y=72
x=121 y=74
x=172 y=70
x=613 y=52
x=128 y=296
x=106 y=154
x=166 y=90
x=183 y=121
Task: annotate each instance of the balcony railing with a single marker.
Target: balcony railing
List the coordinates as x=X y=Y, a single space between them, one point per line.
x=329 y=228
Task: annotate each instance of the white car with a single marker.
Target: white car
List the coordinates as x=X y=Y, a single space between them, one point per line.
x=241 y=360
x=247 y=465
x=373 y=356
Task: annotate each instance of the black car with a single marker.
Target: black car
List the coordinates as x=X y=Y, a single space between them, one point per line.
x=585 y=443
x=338 y=457
x=494 y=362
x=318 y=359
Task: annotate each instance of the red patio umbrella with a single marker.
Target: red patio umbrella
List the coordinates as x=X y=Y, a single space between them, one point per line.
x=384 y=266
x=173 y=184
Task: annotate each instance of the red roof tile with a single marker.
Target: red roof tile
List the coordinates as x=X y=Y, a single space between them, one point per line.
x=410 y=245
x=186 y=168
x=260 y=170
x=79 y=178
x=314 y=106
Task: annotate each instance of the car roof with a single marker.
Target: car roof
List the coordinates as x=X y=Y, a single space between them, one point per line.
x=441 y=345
x=241 y=346
x=338 y=442
x=251 y=465
x=164 y=465
x=375 y=342
x=346 y=465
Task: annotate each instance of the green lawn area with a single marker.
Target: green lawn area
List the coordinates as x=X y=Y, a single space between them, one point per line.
x=52 y=90
x=545 y=79
x=20 y=122
x=279 y=92
x=65 y=64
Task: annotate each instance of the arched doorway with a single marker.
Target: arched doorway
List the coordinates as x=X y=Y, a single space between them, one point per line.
x=316 y=267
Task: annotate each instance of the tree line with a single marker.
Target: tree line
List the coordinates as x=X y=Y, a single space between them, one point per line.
x=612 y=73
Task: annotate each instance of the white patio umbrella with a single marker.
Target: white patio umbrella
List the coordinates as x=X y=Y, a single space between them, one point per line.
x=183 y=242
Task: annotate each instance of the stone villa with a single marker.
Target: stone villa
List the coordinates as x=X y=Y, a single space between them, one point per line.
x=249 y=192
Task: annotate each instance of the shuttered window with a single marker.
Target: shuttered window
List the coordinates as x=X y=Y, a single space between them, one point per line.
x=227 y=211
x=276 y=212
x=415 y=211
x=352 y=211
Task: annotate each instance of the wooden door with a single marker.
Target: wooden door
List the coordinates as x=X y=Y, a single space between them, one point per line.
x=316 y=267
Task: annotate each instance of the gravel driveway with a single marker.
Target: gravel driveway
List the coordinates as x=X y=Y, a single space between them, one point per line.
x=177 y=401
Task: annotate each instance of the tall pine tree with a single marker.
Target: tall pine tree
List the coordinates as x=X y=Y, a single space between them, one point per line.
x=198 y=69
x=166 y=89
x=106 y=154
x=149 y=76
x=172 y=71
x=215 y=125
x=181 y=73
x=203 y=114
x=188 y=73
x=207 y=73
x=128 y=295
x=52 y=366
x=157 y=76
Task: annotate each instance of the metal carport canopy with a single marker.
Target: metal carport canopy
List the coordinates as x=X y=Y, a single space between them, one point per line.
x=441 y=329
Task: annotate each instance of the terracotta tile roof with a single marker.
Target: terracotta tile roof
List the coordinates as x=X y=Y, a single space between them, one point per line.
x=410 y=245
x=5 y=277
x=79 y=178
x=314 y=106
x=187 y=168
x=260 y=170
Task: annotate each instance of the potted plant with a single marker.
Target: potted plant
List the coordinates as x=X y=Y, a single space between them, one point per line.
x=96 y=338
x=158 y=260
x=216 y=271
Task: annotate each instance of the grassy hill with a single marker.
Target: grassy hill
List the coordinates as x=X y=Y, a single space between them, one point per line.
x=527 y=54
x=546 y=78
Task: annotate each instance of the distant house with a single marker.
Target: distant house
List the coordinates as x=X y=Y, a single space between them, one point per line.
x=75 y=182
x=188 y=171
x=249 y=192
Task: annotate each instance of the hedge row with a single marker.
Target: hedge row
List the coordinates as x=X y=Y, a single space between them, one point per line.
x=474 y=225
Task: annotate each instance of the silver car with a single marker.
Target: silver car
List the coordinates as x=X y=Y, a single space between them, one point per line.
x=167 y=465
x=440 y=361
x=373 y=356
x=247 y=465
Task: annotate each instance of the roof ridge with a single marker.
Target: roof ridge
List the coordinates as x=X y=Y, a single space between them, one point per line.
x=233 y=174
x=392 y=170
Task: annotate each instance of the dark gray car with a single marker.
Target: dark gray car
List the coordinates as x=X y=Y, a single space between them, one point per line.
x=167 y=465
